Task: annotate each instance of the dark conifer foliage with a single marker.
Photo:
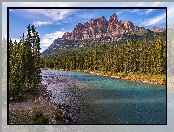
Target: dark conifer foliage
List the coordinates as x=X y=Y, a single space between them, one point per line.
x=147 y=56
x=24 y=65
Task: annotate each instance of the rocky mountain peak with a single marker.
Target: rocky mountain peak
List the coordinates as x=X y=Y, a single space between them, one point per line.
x=79 y=25
x=92 y=21
x=157 y=29
x=128 y=25
x=99 y=28
x=113 y=18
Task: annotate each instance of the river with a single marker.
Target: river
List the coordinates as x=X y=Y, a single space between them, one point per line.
x=104 y=100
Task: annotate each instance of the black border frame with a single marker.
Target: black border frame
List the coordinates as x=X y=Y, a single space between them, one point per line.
x=8 y=8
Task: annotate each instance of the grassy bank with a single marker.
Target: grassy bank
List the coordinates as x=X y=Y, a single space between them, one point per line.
x=140 y=77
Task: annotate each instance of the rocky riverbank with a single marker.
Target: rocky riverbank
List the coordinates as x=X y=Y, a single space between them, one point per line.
x=40 y=110
x=138 y=77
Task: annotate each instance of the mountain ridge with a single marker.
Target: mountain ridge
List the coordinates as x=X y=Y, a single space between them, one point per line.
x=99 y=28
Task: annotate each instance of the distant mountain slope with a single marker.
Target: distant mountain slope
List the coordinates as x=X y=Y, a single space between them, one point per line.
x=158 y=29
x=98 y=29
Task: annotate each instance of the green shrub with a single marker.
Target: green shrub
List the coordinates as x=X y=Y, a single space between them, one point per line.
x=58 y=113
x=39 y=118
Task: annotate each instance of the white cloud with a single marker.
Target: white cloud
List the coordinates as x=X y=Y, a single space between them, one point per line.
x=152 y=21
x=148 y=11
x=135 y=10
x=144 y=4
x=48 y=39
x=63 y=29
x=170 y=13
x=86 y=15
x=119 y=13
x=138 y=11
x=141 y=4
x=40 y=23
x=153 y=5
x=45 y=16
x=40 y=4
x=125 y=4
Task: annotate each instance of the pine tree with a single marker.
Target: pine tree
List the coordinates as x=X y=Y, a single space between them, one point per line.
x=35 y=41
x=24 y=65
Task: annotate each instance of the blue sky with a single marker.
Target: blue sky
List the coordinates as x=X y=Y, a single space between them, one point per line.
x=53 y=23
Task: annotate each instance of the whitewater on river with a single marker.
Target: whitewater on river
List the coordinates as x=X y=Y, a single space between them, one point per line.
x=93 y=99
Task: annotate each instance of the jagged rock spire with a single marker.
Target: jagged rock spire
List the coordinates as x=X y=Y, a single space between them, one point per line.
x=113 y=18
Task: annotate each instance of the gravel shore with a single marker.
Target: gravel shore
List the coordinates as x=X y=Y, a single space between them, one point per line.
x=23 y=112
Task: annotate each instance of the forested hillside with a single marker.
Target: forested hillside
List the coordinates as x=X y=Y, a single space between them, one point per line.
x=146 y=56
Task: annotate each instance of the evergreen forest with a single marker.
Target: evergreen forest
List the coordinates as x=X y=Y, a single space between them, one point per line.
x=144 y=57
x=134 y=59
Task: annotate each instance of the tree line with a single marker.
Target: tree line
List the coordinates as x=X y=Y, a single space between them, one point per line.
x=24 y=65
x=147 y=56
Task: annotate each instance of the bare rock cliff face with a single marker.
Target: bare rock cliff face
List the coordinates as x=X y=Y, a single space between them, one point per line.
x=158 y=29
x=100 y=27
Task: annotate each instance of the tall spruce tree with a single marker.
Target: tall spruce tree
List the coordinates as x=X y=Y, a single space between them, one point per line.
x=35 y=41
x=24 y=65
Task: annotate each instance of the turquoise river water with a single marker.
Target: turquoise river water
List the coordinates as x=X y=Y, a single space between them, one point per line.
x=104 y=100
